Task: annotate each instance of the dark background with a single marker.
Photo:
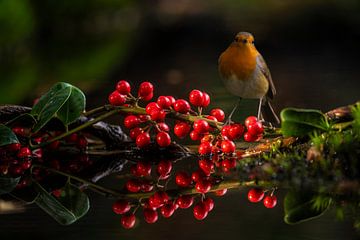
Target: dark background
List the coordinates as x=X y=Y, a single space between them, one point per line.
x=311 y=48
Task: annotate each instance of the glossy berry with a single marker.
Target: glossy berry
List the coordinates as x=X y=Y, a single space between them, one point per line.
x=196 y=98
x=14 y=147
x=270 y=201
x=148 y=97
x=255 y=195
x=206 y=100
x=181 y=106
x=197 y=175
x=163 y=139
x=172 y=99
x=250 y=138
x=168 y=210
x=164 y=168
x=250 y=120
x=218 y=114
x=117 y=99
x=131 y=121
x=182 y=179
x=235 y=131
x=205 y=148
x=164 y=102
x=133 y=185
x=135 y=132
x=200 y=211
x=201 y=126
x=143 y=140
x=150 y=215
x=158 y=115
x=181 y=129
x=184 y=201
x=143 y=169
x=207 y=166
x=26 y=164
x=128 y=220
x=153 y=106
x=195 y=136
x=228 y=164
x=225 y=131
x=145 y=89
x=121 y=206
x=19 y=131
x=158 y=199
x=24 y=152
x=227 y=146
x=255 y=128
x=203 y=186
x=163 y=127
x=123 y=87
x=221 y=192
x=209 y=203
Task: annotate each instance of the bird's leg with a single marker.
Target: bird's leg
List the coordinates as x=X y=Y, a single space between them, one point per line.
x=228 y=120
x=259 y=115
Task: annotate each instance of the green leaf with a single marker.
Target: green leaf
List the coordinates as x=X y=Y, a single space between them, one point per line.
x=301 y=122
x=8 y=184
x=63 y=101
x=73 y=107
x=303 y=206
x=7 y=136
x=68 y=208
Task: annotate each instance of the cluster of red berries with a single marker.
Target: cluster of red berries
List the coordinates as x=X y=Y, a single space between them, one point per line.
x=255 y=195
x=17 y=159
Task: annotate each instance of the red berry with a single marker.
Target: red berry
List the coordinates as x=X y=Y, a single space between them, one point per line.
x=207 y=138
x=225 y=131
x=255 y=195
x=196 y=98
x=168 y=210
x=209 y=203
x=135 y=132
x=270 y=201
x=207 y=166
x=128 y=220
x=181 y=129
x=131 y=121
x=250 y=120
x=182 y=179
x=163 y=127
x=133 y=185
x=206 y=100
x=203 y=186
x=163 y=139
x=235 y=131
x=200 y=211
x=26 y=164
x=153 y=106
x=158 y=115
x=172 y=99
x=255 y=128
x=250 y=138
x=218 y=114
x=143 y=140
x=201 y=126
x=221 y=192
x=181 y=106
x=164 y=102
x=123 y=87
x=24 y=152
x=121 y=206
x=144 y=117
x=19 y=131
x=195 y=136
x=164 y=168
x=205 y=148
x=228 y=164
x=184 y=201
x=73 y=138
x=143 y=169
x=150 y=215
x=82 y=142
x=197 y=175
x=227 y=146
x=147 y=97
x=158 y=199
x=117 y=99
x=145 y=89
x=14 y=147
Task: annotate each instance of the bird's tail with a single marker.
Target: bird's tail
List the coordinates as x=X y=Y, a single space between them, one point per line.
x=268 y=113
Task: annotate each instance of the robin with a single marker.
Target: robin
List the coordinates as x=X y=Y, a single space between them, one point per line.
x=246 y=74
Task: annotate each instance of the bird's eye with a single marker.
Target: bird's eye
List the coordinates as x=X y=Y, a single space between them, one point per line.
x=244 y=41
x=252 y=42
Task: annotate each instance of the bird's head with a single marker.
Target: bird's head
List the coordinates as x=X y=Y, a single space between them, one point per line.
x=244 y=40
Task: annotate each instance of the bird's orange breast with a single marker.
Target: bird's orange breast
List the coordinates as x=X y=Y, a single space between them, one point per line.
x=238 y=61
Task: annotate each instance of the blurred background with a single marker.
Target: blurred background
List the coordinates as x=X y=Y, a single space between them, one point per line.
x=311 y=48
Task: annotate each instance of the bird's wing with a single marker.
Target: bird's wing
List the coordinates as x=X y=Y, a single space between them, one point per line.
x=265 y=70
